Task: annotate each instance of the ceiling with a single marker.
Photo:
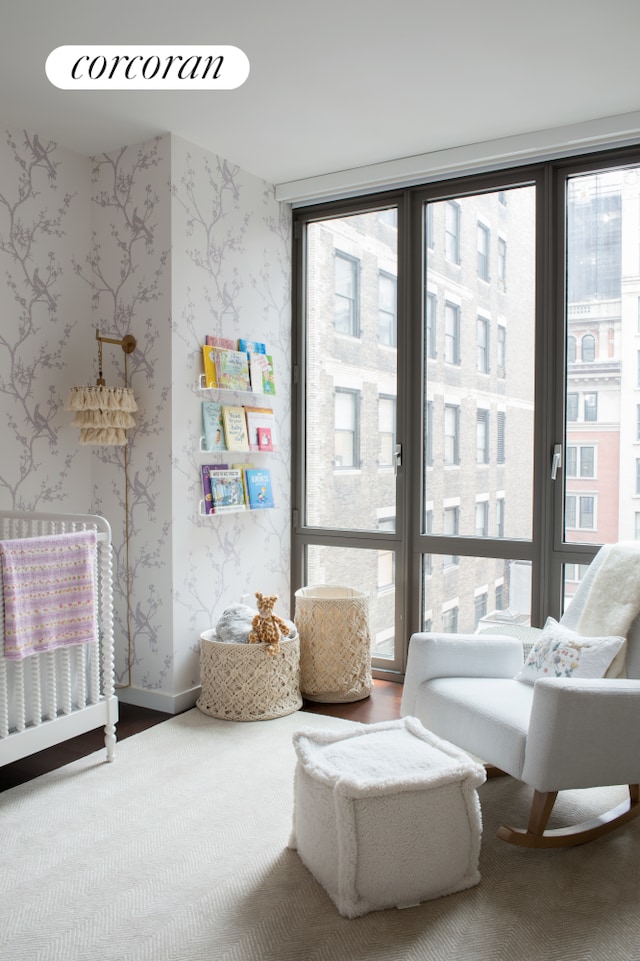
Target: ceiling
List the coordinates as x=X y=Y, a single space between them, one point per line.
x=333 y=85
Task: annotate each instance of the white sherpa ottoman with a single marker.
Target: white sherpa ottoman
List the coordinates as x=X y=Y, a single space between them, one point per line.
x=386 y=815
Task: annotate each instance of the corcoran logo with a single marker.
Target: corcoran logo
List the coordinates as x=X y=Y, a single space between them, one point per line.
x=147 y=68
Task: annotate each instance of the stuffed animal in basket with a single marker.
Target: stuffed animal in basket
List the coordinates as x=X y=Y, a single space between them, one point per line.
x=266 y=626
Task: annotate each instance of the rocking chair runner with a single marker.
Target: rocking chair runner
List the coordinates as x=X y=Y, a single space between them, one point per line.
x=559 y=733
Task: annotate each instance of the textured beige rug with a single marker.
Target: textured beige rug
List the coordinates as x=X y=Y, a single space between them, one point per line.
x=178 y=851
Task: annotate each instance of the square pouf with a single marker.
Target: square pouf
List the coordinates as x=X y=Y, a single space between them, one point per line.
x=386 y=815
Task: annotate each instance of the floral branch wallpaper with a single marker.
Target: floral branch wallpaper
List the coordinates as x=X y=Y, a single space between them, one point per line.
x=169 y=243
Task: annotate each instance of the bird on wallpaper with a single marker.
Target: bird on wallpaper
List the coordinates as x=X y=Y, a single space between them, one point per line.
x=228 y=178
x=42 y=425
x=138 y=225
x=41 y=288
x=141 y=492
x=41 y=153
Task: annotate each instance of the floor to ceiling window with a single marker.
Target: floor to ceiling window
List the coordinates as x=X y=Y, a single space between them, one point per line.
x=467 y=397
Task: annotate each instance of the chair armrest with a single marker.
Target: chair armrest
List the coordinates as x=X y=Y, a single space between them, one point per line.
x=457 y=655
x=583 y=733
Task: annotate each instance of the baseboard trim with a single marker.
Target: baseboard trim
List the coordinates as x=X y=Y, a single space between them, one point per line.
x=159 y=700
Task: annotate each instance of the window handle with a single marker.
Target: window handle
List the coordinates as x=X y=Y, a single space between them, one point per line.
x=556 y=462
x=397 y=456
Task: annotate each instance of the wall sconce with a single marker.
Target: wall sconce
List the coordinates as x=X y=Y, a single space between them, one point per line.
x=103 y=413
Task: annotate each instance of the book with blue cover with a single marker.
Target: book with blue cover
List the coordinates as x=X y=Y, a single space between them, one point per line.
x=212 y=427
x=259 y=490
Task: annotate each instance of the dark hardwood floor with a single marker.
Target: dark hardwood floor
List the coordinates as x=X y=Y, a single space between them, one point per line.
x=383 y=704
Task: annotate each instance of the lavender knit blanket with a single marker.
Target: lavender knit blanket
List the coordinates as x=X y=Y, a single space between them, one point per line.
x=49 y=592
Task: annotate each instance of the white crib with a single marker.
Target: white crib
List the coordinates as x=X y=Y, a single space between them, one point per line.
x=52 y=696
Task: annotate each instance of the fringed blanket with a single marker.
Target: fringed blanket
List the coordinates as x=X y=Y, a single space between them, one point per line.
x=613 y=602
x=49 y=592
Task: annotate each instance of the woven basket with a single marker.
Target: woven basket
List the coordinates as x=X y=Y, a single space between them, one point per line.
x=335 y=644
x=241 y=682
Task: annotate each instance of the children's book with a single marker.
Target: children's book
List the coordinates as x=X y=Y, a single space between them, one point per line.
x=227 y=491
x=225 y=342
x=207 y=496
x=259 y=491
x=232 y=370
x=257 y=419
x=212 y=428
x=261 y=368
x=265 y=440
x=208 y=357
x=252 y=346
x=258 y=366
x=235 y=427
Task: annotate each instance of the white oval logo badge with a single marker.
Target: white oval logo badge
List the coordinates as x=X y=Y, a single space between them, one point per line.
x=96 y=67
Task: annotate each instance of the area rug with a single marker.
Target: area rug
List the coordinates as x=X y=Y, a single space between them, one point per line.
x=178 y=852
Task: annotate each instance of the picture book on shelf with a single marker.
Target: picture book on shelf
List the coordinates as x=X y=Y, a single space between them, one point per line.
x=232 y=370
x=258 y=418
x=261 y=369
x=225 y=342
x=207 y=496
x=259 y=491
x=235 y=427
x=212 y=428
x=265 y=440
x=227 y=490
x=252 y=346
x=210 y=375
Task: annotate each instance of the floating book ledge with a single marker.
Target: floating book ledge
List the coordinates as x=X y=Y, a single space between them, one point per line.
x=253 y=449
x=202 y=385
x=234 y=510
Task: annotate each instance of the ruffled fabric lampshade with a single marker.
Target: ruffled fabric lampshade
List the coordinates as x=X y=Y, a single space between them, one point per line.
x=102 y=413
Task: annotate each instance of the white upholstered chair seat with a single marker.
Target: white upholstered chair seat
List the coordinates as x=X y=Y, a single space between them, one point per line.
x=488 y=717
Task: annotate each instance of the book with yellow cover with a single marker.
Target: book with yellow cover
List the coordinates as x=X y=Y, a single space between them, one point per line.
x=209 y=360
x=235 y=427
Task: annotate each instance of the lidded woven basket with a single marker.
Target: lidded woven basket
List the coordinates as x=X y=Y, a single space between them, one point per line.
x=335 y=643
x=242 y=682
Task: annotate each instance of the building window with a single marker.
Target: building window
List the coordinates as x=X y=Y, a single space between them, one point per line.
x=480 y=606
x=571 y=350
x=347 y=428
x=502 y=262
x=428 y=226
x=387 y=325
x=482 y=519
x=637 y=421
x=428 y=453
x=389 y=217
x=386 y=430
x=452 y=232
x=451 y=333
x=452 y=528
x=637 y=475
x=386 y=559
x=590 y=407
x=580 y=461
x=482 y=437
x=450 y=621
x=427 y=559
x=502 y=350
x=499 y=597
x=579 y=512
x=500 y=517
x=588 y=348
x=482 y=353
x=501 y=446
x=637 y=528
x=572 y=407
x=430 y=325
x=346 y=310
x=483 y=236
x=451 y=434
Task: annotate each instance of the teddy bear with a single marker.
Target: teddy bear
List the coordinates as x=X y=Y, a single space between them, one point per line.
x=266 y=626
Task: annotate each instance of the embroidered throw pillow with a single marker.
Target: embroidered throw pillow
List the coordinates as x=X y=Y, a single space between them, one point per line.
x=560 y=652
